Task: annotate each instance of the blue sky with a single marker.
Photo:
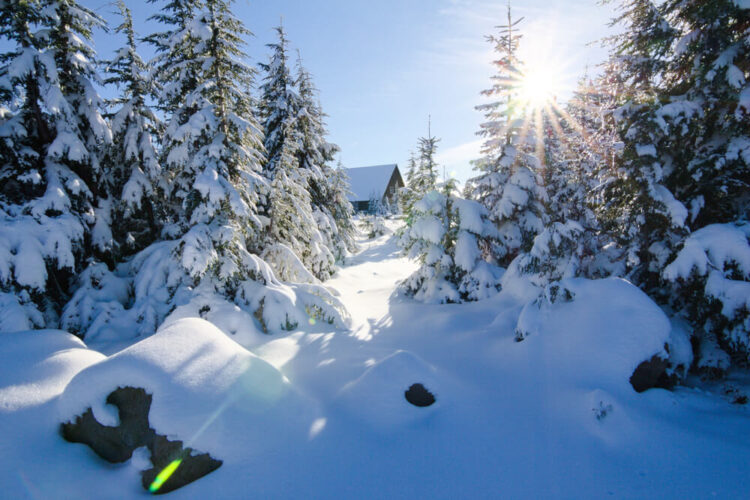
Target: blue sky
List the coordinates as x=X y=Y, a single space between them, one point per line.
x=383 y=67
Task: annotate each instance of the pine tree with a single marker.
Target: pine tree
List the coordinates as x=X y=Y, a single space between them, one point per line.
x=425 y=175
x=53 y=132
x=509 y=183
x=132 y=164
x=331 y=208
x=342 y=212
x=211 y=145
x=407 y=196
x=685 y=78
x=452 y=238
x=279 y=104
x=292 y=223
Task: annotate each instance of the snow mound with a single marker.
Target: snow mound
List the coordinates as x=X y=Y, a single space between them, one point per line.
x=207 y=391
x=37 y=366
x=597 y=339
x=378 y=396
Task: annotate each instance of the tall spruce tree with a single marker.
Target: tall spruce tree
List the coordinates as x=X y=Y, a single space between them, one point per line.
x=132 y=163
x=293 y=230
x=211 y=145
x=425 y=176
x=53 y=132
x=508 y=184
x=685 y=72
x=331 y=208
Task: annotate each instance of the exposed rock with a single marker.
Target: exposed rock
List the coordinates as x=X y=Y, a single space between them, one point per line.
x=419 y=396
x=652 y=373
x=191 y=467
x=116 y=444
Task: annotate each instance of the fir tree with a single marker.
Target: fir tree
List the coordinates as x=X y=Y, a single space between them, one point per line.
x=508 y=184
x=407 y=196
x=452 y=238
x=132 y=163
x=279 y=104
x=52 y=132
x=289 y=210
x=211 y=145
x=331 y=208
x=684 y=74
x=425 y=175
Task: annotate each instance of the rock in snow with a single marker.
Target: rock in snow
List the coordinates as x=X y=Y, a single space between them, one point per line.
x=117 y=443
x=207 y=390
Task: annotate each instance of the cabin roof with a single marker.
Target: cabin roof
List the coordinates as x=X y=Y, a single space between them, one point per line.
x=369 y=182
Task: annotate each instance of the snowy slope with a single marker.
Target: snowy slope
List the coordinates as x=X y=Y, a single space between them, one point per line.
x=552 y=416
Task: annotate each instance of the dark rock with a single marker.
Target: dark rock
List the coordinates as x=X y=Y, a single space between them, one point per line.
x=116 y=444
x=419 y=396
x=652 y=373
x=190 y=468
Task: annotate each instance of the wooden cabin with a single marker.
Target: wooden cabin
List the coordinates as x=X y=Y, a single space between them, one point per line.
x=379 y=182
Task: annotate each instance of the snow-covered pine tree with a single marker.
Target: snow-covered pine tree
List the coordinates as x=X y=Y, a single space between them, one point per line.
x=331 y=208
x=452 y=238
x=314 y=153
x=557 y=251
x=685 y=74
x=52 y=131
x=211 y=162
x=295 y=247
x=508 y=184
x=132 y=162
x=293 y=233
x=407 y=196
x=640 y=208
x=77 y=72
x=278 y=104
x=425 y=178
x=343 y=212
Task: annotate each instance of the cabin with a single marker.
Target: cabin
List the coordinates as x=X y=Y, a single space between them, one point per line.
x=379 y=182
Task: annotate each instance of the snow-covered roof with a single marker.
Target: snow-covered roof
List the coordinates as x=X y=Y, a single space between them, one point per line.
x=369 y=182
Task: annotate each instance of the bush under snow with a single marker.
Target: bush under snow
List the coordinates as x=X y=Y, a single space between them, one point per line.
x=452 y=238
x=714 y=265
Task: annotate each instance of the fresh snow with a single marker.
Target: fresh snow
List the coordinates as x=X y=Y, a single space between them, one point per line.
x=320 y=412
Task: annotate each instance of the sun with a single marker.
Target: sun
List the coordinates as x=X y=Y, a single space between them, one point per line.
x=540 y=85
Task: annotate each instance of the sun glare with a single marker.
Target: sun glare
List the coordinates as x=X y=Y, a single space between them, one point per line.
x=540 y=86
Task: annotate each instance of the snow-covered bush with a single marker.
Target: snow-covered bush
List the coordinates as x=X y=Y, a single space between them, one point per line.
x=555 y=254
x=142 y=293
x=373 y=226
x=709 y=282
x=452 y=238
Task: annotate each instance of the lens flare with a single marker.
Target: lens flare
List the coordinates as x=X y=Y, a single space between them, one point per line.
x=540 y=85
x=164 y=475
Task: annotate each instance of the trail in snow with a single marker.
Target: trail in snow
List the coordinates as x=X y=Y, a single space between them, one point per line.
x=369 y=280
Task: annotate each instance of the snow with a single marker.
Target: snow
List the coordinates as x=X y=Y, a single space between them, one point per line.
x=369 y=182
x=676 y=210
x=320 y=413
x=713 y=246
x=645 y=150
x=207 y=390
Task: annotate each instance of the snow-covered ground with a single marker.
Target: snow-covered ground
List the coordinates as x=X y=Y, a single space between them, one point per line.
x=321 y=413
